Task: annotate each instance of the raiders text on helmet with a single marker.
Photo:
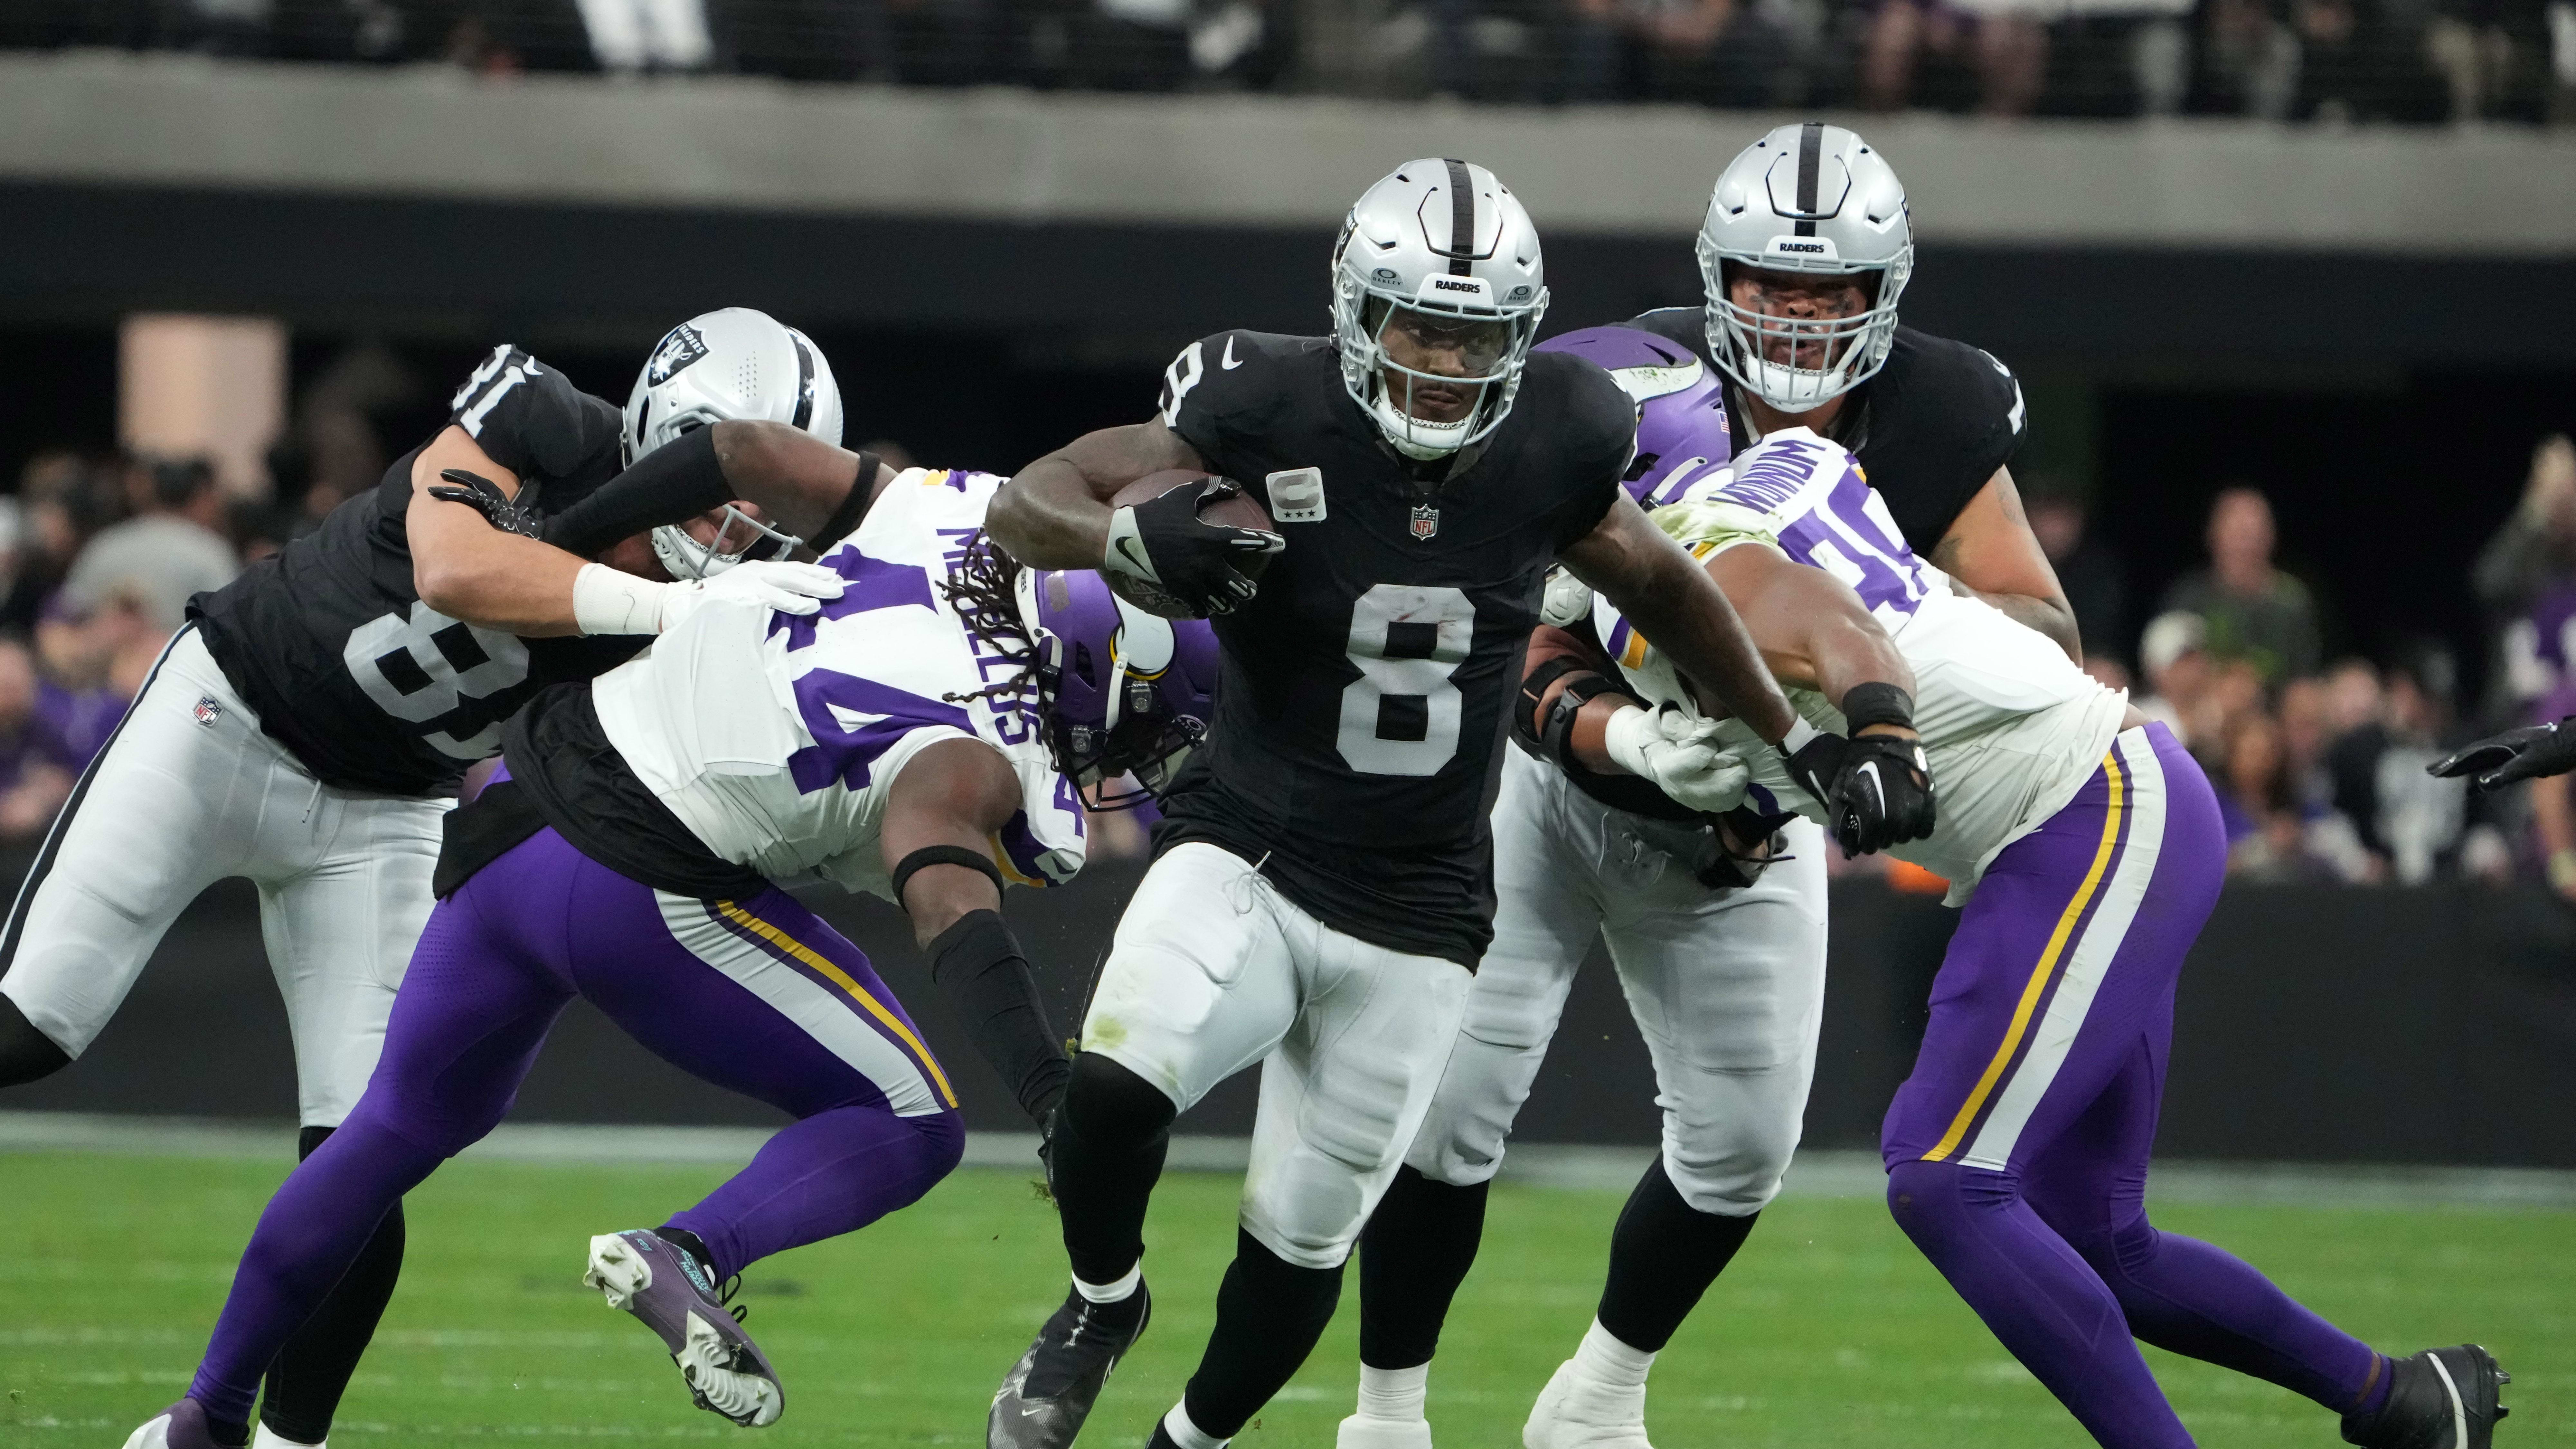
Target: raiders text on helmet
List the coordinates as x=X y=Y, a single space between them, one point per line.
x=1805 y=198
x=735 y=364
x=1446 y=241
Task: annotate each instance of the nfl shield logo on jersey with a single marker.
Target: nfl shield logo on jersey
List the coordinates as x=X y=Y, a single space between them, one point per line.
x=207 y=711
x=1426 y=521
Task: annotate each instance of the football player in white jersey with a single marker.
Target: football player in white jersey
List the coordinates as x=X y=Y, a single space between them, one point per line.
x=309 y=728
x=2085 y=848
x=923 y=736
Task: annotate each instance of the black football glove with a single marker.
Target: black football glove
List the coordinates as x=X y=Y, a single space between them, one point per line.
x=2524 y=754
x=485 y=497
x=1163 y=542
x=1876 y=789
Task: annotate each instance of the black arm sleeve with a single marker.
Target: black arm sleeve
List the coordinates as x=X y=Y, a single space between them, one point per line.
x=677 y=481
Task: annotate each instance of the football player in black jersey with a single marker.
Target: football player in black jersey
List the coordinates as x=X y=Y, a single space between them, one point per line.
x=1804 y=250
x=1322 y=884
x=310 y=726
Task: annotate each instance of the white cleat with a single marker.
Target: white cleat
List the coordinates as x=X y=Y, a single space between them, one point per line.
x=727 y=1374
x=1577 y=1411
x=264 y=1437
x=1366 y=1431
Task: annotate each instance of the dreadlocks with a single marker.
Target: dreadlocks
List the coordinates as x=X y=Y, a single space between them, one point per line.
x=983 y=588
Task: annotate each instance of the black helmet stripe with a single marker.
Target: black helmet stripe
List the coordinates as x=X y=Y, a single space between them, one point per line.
x=1462 y=218
x=1811 y=145
x=804 y=384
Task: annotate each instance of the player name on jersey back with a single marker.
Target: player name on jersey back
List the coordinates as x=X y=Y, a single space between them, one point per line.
x=775 y=738
x=1361 y=702
x=329 y=642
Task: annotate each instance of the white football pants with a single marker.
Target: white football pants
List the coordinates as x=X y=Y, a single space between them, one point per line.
x=1727 y=988
x=1214 y=970
x=190 y=790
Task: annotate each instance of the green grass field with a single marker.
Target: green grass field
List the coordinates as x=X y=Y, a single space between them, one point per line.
x=1828 y=1331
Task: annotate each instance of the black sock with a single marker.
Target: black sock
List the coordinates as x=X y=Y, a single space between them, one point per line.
x=978 y=966
x=230 y=1432
x=1108 y=1154
x=693 y=1245
x=26 y=1054
x=1269 y=1313
x=1663 y=1256
x=312 y=1371
x=1414 y=1253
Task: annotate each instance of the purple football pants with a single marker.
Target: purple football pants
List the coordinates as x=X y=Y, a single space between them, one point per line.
x=2017 y=1151
x=759 y=996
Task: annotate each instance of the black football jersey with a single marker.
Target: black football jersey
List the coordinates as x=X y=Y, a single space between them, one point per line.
x=1930 y=428
x=330 y=644
x=1362 y=701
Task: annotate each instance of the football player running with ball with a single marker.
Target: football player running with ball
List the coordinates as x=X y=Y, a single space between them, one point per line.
x=2085 y=850
x=1804 y=250
x=1322 y=886
x=309 y=728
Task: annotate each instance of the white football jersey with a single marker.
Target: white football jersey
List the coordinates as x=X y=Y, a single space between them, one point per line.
x=2011 y=727
x=774 y=737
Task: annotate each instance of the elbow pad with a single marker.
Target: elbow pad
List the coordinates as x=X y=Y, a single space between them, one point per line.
x=1548 y=731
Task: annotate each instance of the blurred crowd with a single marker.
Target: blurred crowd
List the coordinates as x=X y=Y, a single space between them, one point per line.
x=2319 y=760
x=2383 y=60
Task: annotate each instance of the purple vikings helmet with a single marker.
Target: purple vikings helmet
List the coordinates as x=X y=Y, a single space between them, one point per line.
x=1120 y=691
x=1681 y=406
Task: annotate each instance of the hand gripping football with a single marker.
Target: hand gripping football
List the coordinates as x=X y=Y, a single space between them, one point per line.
x=1233 y=507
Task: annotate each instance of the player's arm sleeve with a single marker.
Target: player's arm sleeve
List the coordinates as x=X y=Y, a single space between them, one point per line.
x=530 y=419
x=1599 y=434
x=1217 y=393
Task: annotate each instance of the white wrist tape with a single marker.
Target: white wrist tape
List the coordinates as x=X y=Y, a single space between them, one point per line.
x=611 y=601
x=1624 y=737
x=1799 y=733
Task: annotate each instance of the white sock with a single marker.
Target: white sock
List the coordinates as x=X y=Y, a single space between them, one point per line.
x=1188 y=1435
x=1394 y=1393
x=263 y=1437
x=1605 y=1359
x=1111 y=1292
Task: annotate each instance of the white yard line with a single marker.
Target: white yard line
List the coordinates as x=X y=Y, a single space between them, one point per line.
x=1815 y=1174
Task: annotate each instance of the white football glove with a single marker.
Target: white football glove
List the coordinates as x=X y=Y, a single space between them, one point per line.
x=1680 y=755
x=609 y=601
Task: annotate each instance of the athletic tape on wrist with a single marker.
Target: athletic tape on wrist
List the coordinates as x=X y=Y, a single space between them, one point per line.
x=930 y=855
x=611 y=601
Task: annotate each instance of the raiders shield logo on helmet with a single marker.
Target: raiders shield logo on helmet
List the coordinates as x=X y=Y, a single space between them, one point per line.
x=682 y=347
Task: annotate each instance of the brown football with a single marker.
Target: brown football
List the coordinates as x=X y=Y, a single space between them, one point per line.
x=1238 y=511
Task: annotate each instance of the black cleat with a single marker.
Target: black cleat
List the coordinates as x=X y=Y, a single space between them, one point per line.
x=1050 y=1391
x=2442 y=1398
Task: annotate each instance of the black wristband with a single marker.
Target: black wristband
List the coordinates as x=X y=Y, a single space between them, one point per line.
x=672 y=484
x=930 y=855
x=846 y=517
x=1877 y=703
x=1556 y=732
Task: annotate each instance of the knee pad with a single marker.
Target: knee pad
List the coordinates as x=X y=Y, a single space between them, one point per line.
x=26 y=1054
x=943 y=1139
x=1734 y=1178
x=1932 y=1201
x=1112 y=1109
